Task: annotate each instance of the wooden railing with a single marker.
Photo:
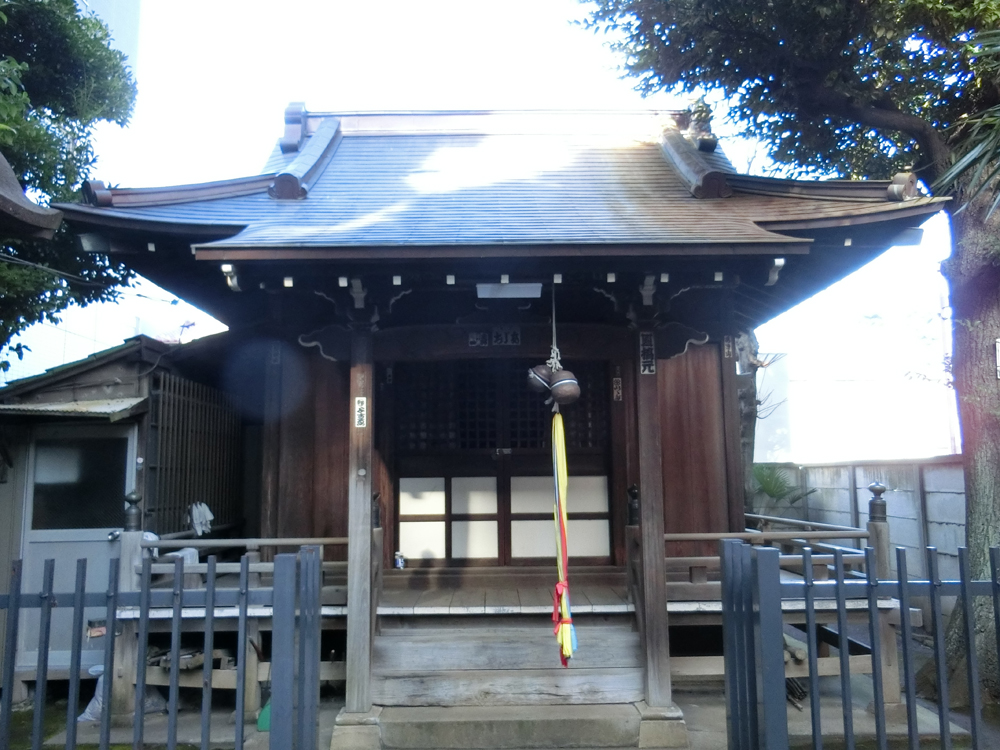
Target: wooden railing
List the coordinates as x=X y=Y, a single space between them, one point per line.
x=816 y=536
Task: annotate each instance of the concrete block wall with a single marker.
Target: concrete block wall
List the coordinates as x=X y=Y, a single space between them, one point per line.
x=925 y=504
x=944 y=486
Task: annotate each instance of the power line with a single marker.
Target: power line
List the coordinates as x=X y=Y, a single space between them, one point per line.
x=21 y=262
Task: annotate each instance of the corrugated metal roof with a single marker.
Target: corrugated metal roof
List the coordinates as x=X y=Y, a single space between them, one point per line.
x=111 y=408
x=435 y=187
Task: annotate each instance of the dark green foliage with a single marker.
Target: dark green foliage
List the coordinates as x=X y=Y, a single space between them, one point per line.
x=773 y=491
x=859 y=89
x=978 y=165
x=58 y=78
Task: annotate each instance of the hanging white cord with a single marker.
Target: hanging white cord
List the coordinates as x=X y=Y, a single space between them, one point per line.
x=554 y=364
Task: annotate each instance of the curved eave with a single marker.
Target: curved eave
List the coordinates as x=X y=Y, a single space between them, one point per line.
x=883 y=212
x=78 y=213
x=230 y=252
x=847 y=190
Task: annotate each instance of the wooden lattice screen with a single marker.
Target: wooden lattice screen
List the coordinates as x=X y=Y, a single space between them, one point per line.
x=485 y=404
x=195 y=438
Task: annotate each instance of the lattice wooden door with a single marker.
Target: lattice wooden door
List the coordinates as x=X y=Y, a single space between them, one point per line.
x=473 y=464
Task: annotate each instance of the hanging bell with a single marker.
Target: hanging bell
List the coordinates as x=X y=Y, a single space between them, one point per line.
x=565 y=387
x=540 y=378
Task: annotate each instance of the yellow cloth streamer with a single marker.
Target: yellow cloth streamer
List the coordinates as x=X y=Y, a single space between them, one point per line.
x=561 y=614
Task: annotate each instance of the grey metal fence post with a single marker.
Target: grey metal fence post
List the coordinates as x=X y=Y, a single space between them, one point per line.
x=283 y=653
x=142 y=648
x=175 y=653
x=206 y=674
x=845 y=652
x=909 y=675
x=42 y=670
x=111 y=624
x=812 y=650
x=733 y=654
x=10 y=651
x=969 y=632
x=748 y=683
x=772 y=711
x=874 y=634
x=243 y=648
x=76 y=644
x=309 y=646
x=940 y=666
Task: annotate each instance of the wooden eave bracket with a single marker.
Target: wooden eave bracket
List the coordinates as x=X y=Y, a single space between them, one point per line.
x=294 y=181
x=701 y=180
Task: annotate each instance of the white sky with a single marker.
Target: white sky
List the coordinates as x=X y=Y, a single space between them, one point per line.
x=215 y=76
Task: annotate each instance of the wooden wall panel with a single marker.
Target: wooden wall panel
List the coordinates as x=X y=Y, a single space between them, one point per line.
x=383 y=459
x=296 y=441
x=695 y=490
x=329 y=512
x=313 y=452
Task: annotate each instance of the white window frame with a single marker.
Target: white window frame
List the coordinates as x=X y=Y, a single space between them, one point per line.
x=73 y=431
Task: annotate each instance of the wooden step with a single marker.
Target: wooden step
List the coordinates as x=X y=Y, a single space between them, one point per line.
x=504 y=666
x=594 y=598
x=508 y=687
x=507 y=728
x=427 y=649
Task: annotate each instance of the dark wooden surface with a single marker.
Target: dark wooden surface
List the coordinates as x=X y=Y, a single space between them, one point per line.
x=693 y=447
x=576 y=341
x=270 y=437
x=358 y=697
x=384 y=479
x=329 y=508
x=622 y=425
x=732 y=427
x=296 y=441
x=651 y=478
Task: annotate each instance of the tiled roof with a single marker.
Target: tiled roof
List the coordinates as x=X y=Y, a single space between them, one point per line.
x=440 y=180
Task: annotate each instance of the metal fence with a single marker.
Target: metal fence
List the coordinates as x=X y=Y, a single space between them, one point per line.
x=294 y=599
x=753 y=625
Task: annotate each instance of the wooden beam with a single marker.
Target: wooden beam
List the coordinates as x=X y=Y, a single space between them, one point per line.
x=655 y=635
x=359 y=528
x=434 y=342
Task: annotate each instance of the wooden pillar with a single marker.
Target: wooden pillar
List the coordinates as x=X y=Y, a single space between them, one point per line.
x=654 y=582
x=735 y=471
x=271 y=445
x=878 y=538
x=359 y=528
x=126 y=643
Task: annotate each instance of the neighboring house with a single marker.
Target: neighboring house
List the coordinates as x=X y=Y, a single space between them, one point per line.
x=77 y=439
x=391 y=280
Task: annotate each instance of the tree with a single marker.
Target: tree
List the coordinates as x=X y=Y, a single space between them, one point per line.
x=59 y=77
x=864 y=88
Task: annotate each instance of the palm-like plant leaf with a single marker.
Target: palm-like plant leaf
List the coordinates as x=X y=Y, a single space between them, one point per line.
x=979 y=163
